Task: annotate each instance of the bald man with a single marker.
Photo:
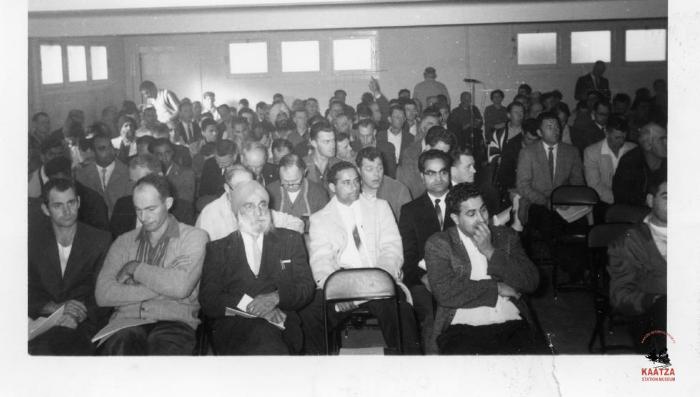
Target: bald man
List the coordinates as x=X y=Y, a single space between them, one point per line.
x=261 y=271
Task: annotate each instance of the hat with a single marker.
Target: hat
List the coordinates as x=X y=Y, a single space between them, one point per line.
x=429 y=70
x=244 y=191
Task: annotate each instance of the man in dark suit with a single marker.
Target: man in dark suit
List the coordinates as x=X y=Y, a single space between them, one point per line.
x=420 y=219
x=478 y=273
x=593 y=81
x=254 y=157
x=542 y=167
x=258 y=270
x=180 y=177
x=397 y=134
x=65 y=257
x=186 y=128
x=465 y=122
x=592 y=128
x=212 y=181
x=367 y=136
x=408 y=172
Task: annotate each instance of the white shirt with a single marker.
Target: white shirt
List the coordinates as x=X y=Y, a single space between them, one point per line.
x=413 y=129
x=504 y=310
x=441 y=204
x=554 y=153
x=109 y=169
x=396 y=141
x=293 y=195
x=658 y=234
x=63 y=255
x=351 y=217
x=605 y=150
x=248 y=241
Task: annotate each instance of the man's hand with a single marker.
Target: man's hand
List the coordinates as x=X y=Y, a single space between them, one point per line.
x=426 y=283
x=507 y=291
x=275 y=316
x=263 y=304
x=127 y=272
x=67 y=321
x=482 y=240
x=374 y=86
x=346 y=306
x=75 y=309
x=49 y=308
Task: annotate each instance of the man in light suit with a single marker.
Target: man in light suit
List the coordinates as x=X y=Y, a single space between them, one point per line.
x=353 y=231
x=593 y=81
x=107 y=176
x=542 y=168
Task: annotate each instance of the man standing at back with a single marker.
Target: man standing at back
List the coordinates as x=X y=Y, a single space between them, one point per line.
x=593 y=81
x=164 y=101
x=429 y=87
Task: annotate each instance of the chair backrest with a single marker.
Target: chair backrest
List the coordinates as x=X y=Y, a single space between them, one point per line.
x=574 y=195
x=600 y=236
x=360 y=283
x=624 y=213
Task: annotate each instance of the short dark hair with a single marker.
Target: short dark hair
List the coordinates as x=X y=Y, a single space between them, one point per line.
x=525 y=87
x=206 y=123
x=321 y=126
x=36 y=116
x=246 y=111
x=260 y=104
x=184 y=103
x=363 y=110
x=100 y=135
x=340 y=91
x=341 y=136
x=292 y=160
x=370 y=153
x=147 y=85
x=60 y=184
x=208 y=94
x=394 y=108
x=514 y=104
x=159 y=142
x=280 y=143
x=406 y=90
x=655 y=184
x=51 y=143
x=433 y=154
x=365 y=123
x=563 y=108
x=58 y=165
x=494 y=92
x=332 y=173
x=147 y=161
x=225 y=147
x=618 y=123
x=243 y=102
x=621 y=97
x=144 y=140
x=159 y=182
x=438 y=134
x=530 y=126
x=601 y=103
x=458 y=153
x=546 y=116
x=459 y=194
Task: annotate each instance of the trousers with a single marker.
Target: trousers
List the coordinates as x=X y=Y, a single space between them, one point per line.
x=164 y=338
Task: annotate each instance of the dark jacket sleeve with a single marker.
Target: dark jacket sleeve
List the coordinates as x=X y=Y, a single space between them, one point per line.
x=454 y=289
x=295 y=284
x=509 y=262
x=628 y=180
x=123 y=217
x=209 y=184
x=407 y=228
x=37 y=294
x=214 y=292
x=98 y=316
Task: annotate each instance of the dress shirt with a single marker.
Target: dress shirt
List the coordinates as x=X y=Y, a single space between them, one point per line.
x=605 y=150
x=63 y=255
x=108 y=174
x=554 y=153
x=658 y=234
x=293 y=195
x=395 y=139
x=252 y=246
x=351 y=218
x=441 y=204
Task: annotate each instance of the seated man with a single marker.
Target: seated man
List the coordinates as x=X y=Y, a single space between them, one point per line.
x=377 y=185
x=213 y=169
x=478 y=273
x=217 y=219
x=152 y=273
x=294 y=194
x=259 y=270
x=591 y=129
x=367 y=136
x=64 y=257
x=637 y=270
x=181 y=177
x=254 y=158
x=322 y=158
x=408 y=172
x=352 y=231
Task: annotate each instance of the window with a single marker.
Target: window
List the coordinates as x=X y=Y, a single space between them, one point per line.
x=588 y=47
x=77 y=67
x=51 y=64
x=300 y=56
x=645 y=45
x=353 y=54
x=245 y=58
x=98 y=63
x=537 y=48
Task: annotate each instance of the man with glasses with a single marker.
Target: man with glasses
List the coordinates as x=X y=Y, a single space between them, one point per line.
x=260 y=270
x=216 y=217
x=293 y=194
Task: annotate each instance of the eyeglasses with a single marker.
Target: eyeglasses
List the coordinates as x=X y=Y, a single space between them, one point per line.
x=432 y=173
x=251 y=207
x=291 y=185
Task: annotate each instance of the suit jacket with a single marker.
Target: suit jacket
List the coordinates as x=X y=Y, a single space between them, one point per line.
x=124 y=215
x=118 y=185
x=406 y=141
x=585 y=84
x=46 y=284
x=212 y=181
x=408 y=173
x=270 y=173
x=417 y=222
x=182 y=179
x=533 y=180
x=599 y=171
x=328 y=238
x=388 y=155
x=395 y=193
x=449 y=272
x=180 y=131
x=633 y=177
x=585 y=132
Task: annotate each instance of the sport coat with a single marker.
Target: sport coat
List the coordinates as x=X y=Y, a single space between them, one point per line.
x=180 y=131
x=417 y=222
x=182 y=179
x=406 y=141
x=212 y=180
x=388 y=153
x=585 y=132
x=599 y=170
x=90 y=246
x=449 y=272
x=408 y=173
x=585 y=83
x=533 y=181
x=118 y=185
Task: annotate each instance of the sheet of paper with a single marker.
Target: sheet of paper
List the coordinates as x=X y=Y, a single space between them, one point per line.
x=235 y=312
x=573 y=213
x=245 y=301
x=117 y=325
x=43 y=324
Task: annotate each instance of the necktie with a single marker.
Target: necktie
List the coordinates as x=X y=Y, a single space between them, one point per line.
x=550 y=161
x=356 y=237
x=255 y=266
x=104 y=179
x=438 y=212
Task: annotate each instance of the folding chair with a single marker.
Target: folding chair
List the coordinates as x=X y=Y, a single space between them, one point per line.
x=599 y=237
x=359 y=284
x=204 y=336
x=570 y=195
x=625 y=213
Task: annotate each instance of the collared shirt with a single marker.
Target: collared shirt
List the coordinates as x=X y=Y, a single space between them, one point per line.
x=293 y=195
x=63 y=255
x=605 y=150
x=395 y=139
x=351 y=218
x=441 y=204
x=248 y=241
x=658 y=234
x=154 y=254
x=504 y=310
x=554 y=153
x=104 y=178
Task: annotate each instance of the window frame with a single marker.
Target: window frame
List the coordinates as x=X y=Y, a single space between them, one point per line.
x=374 y=55
x=571 y=46
x=557 y=49
x=255 y=75
x=627 y=63
x=301 y=72
x=89 y=83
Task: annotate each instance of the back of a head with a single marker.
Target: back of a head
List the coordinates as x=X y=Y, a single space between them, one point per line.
x=146 y=161
x=158 y=182
x=438 y=134
x=58 y=166
x=147 y=85
x=225 y=147
x=292 y=160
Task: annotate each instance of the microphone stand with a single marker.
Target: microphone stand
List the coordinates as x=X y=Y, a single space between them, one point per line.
x=472 y=83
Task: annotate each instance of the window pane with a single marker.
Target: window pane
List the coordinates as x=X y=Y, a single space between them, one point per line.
x=77 y=67
x=51 y=64
x=300 y=56
x=537 y=48
x=587 y=47
x=248 y=57
x=98 y=63
x=645 y=45
x=352 y=54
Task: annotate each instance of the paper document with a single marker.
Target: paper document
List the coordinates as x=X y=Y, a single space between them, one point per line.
x=117 y=325
x=236 y=312
x=43 y=324
x=572 y=213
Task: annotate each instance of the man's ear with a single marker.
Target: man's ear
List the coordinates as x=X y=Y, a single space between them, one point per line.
x=455 y=218
x=77 y=199
x=169 y=202
x=650 y=200
x=45 y=209
x=539 y=133
x=331 y=186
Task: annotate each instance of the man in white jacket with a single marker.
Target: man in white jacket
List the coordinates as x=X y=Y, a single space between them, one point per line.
x=354 y=231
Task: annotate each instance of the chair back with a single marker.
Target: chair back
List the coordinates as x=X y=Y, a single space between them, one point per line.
x=625 y=213
x=600 y=236
x=359 y=284
x=574 y=195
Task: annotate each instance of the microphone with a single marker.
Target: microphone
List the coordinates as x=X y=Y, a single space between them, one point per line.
x=475 y=81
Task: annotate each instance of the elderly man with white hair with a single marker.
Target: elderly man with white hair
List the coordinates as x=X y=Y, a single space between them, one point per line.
x=254 y=280
x=218 y=220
